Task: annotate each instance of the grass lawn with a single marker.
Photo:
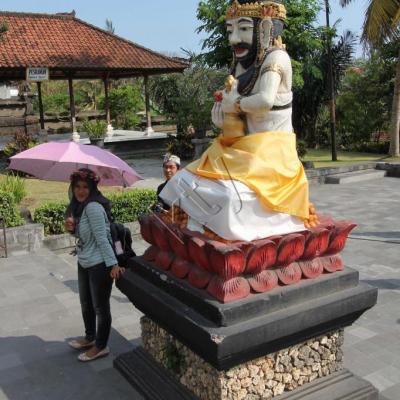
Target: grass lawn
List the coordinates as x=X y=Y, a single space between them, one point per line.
x=322 y=158
x=39 y=192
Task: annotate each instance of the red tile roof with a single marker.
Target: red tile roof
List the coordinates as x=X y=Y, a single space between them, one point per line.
x=63 y=42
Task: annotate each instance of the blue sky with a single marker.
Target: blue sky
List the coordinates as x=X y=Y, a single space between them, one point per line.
x=162 y=25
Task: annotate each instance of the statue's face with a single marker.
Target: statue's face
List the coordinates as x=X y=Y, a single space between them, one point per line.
x=241 y=37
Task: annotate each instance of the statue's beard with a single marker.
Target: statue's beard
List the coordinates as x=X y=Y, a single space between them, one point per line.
x=250 y=57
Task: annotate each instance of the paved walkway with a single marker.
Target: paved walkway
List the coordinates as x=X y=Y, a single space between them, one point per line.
x=39 y=308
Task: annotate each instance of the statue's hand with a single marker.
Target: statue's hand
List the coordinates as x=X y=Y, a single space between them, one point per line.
x=229 y=99
x=217 y=115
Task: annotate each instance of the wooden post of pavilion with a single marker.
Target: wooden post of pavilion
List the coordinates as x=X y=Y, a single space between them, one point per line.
x=75 y=134
x=149 y=130
x=41 y=114
x=43 y=133
x=107 y=106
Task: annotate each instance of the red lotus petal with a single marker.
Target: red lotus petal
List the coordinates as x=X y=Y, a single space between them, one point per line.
x=290 y=274
x=276 y=239
x=145 y=229
x=199 y=278
x=263 y=281
x=197 y=253
x=316 y=243
x=226 y=261
x=312 y=269
x=228 y=290
x=164 y=260
x=290 y=249
x=339 y=236
x=151 y=253
x=159 y=233
x=326 y=221
x=178 y=242
x=180 y=268
x=332 y=263
x=262 y=256
x=246 y=247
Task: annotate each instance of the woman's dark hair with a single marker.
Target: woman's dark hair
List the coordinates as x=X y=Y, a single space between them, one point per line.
x=75 y=208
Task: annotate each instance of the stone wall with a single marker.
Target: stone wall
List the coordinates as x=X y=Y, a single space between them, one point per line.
x=262 y=378
x=15 y=118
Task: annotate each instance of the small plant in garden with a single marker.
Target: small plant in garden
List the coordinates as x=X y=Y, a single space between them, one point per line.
x=14 y=185
x=51 y=215
x=175 y=360
x=22 y=142
x=95 y=129
x=181 y=145
x=301 y=148
x=8 y=210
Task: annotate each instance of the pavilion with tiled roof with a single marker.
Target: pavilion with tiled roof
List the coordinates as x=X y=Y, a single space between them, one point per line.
x=73 y=49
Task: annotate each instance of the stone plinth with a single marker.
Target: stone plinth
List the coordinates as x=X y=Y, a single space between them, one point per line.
x=293 y=334
x=265 y=377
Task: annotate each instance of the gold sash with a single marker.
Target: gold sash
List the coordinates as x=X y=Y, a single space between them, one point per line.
x=266 y=162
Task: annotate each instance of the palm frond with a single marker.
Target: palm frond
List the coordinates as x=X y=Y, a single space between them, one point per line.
x=381 y=21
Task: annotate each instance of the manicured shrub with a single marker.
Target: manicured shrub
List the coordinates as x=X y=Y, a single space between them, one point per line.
x=8 y=210
x=128 y=206
x=51 y=215
x=15 y=185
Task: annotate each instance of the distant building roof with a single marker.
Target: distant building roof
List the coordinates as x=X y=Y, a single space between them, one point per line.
x=66 y=44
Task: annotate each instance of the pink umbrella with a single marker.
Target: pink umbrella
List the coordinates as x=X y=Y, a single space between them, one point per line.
x=55 y=161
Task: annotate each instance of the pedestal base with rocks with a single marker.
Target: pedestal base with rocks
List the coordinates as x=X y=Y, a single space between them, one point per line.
x=264 y=377
x=284 y=344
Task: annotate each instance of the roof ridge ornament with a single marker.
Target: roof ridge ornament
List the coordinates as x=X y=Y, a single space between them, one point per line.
x=261 y=9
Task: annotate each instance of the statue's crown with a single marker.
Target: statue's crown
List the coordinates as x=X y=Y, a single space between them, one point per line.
x=259 y=9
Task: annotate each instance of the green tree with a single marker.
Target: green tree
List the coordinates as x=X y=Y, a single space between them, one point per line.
x=125 y=103
x=381 y=24
x=364 y=99
x=3 y=29
x=187 y=98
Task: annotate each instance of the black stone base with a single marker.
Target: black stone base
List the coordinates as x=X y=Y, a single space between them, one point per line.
x=271 y=330
x=149 y=378
x=252 y=306
x=156 y=383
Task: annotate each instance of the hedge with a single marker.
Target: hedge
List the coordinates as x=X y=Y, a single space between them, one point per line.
x=125 y=206
x=128 y=206
x=8 y=210
x=51 y=215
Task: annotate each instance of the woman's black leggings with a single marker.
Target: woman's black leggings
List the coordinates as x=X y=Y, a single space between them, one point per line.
x=95 y=284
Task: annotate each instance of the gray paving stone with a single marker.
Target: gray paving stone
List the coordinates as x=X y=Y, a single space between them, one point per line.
x=39 y=308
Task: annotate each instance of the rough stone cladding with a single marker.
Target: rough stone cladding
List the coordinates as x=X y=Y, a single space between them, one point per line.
x=262 y=378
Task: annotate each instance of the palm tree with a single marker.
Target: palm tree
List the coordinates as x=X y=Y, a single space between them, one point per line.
x=381 y=24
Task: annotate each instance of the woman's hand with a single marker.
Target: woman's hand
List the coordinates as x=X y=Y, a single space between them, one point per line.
x=117 y=271
x=69 y=224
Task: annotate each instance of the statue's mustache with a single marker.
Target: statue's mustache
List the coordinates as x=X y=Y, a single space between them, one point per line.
x=242 y=46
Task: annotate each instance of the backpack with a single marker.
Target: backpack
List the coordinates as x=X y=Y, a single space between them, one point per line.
x=121 y=243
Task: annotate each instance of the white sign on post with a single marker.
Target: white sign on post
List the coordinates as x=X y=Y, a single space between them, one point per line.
x=37 y=74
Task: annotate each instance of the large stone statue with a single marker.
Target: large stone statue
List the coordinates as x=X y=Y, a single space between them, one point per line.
x=287 y=296
x=250 y=183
